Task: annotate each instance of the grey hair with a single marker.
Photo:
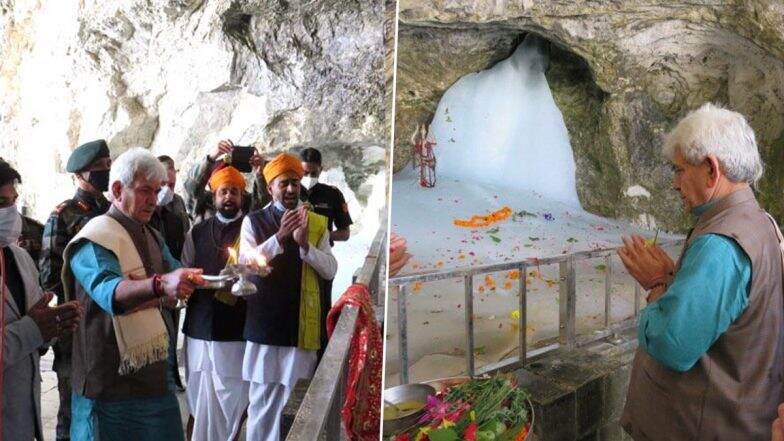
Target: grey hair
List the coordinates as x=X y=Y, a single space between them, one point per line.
x=712 y=130
x=134 y=163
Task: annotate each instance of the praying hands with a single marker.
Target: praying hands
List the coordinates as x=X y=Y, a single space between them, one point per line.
x=648 y=264
x=301 y=233
x=294 y=224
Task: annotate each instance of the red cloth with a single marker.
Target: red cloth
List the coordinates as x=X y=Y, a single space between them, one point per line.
x=361 y=412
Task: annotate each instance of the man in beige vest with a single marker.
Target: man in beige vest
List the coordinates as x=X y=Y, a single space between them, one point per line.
x=709 y=362
x=123 y=272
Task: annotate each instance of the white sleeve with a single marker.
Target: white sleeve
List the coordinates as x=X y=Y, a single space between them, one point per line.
x=321 y=258
x=249 y=248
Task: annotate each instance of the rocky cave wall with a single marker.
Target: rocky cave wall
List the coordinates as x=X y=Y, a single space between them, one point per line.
x=622 y=74
x=176 y=76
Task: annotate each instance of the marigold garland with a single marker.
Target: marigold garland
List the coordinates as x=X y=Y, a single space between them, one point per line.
x=477 y=221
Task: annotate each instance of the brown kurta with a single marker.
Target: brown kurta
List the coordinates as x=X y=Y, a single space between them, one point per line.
x=733 y=390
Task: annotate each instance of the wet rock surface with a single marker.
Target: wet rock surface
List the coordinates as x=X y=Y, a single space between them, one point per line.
x=176 y=76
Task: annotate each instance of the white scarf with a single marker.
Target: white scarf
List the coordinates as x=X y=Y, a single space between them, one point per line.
x=142 y=337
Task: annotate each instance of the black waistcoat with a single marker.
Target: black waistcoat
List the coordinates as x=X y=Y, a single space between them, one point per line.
x=209 y=318
x=273 y=313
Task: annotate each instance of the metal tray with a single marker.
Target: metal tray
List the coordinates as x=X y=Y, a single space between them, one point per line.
x=442 y=383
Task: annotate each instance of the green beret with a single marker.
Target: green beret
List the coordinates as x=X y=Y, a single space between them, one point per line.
x=86 y=154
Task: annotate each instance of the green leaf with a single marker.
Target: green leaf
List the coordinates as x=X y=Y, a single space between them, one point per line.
x=523 y=213
x=480 y=350
x=601 y=267
x=485 y=435
x=532 y=238
x=572 y=240
x=495 y=239
x=493 y=230
x=443 y=435
x=495 y=426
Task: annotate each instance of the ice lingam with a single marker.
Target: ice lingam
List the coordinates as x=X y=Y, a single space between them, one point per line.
x=504 y=153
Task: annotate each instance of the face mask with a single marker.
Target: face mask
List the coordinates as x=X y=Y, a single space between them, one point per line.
x=308 y=182
x=165 y=196
x=279 y=206
x=225 y=220
x=10 y=225
x=99 y=179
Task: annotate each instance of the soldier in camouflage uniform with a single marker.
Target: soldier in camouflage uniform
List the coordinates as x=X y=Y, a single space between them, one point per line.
x=90 y=165
x=200 y=202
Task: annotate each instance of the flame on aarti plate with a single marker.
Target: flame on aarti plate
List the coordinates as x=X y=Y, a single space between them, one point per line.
x=253 y=257
x=260 y=260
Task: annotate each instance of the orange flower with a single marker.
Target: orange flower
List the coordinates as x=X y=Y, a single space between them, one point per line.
x=522 y=435
x=489 y=281
x=513 y=275
x=417 y=286
x=477 y=221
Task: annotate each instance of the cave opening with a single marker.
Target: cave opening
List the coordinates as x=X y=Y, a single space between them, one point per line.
x=425 y=74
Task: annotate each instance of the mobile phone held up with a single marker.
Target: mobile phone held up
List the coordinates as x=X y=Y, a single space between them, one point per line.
x=240 y=158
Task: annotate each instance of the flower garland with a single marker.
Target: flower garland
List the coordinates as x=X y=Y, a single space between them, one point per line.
x=477 y=221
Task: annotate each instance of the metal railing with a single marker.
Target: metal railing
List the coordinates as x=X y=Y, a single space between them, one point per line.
x=567 y=301
x=318 y=416
x=373 y=273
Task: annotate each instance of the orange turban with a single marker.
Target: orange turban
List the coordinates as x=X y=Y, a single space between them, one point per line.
x=283 y=163
x=227 y=175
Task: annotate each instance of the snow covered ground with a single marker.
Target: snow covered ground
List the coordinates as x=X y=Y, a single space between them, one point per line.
x=435 y=309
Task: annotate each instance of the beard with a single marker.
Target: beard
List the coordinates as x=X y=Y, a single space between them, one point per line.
x=228 y=210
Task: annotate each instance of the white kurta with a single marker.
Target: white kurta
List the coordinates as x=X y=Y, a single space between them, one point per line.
x=217 y=394
x=273 y=370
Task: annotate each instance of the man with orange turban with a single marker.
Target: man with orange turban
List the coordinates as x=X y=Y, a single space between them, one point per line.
x=199 y=201
x=286 y=321
x=217 y=394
